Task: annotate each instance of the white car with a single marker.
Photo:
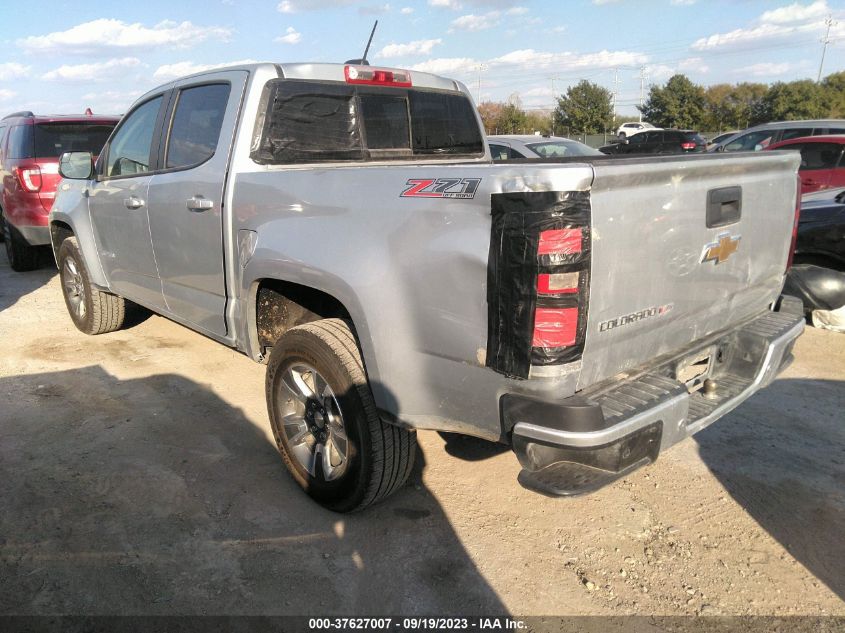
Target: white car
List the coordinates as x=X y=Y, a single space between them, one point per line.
x=633 y=127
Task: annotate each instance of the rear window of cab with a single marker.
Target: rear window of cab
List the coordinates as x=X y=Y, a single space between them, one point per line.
x=309 y=121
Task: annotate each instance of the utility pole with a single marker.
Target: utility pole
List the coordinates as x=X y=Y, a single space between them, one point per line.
x=554 y=103
x=615 y=93
x=825 y=41
x=480 y=68
x=643 y=77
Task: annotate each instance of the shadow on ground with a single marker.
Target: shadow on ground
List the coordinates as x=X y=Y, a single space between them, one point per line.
x=155 y=496
x=786 y=466
x=14 y=285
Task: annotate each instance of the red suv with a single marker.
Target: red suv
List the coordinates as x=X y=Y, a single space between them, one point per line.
x=822 y=160
x=30 y=147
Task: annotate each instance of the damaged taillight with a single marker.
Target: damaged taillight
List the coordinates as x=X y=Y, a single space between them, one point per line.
x=555 y=327
x=538 y=278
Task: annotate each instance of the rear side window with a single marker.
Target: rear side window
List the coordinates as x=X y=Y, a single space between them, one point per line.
x=20 y=142
x=797 y=133
x=51 y=140
x=499 y=152
x=196 y=125
x=321 y=122
x=750 y=142
x=819 y=155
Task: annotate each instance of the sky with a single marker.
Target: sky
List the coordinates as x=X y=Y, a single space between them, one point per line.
x=62 y=57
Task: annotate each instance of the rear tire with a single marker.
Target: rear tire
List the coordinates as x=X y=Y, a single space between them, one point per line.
x=22 y=257
x=325 y=421
x=92 y=311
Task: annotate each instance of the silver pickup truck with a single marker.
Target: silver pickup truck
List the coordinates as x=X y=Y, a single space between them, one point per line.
x=346 y=224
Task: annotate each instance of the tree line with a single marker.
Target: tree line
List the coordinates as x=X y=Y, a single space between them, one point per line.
x=679 y=103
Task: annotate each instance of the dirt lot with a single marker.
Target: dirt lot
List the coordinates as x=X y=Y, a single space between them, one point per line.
x=137 y=475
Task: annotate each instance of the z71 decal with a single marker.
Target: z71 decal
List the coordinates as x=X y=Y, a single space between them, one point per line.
x=441 y=188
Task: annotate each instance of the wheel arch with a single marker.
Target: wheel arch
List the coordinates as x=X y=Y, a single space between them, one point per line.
x=275 y=303
x=63 y=226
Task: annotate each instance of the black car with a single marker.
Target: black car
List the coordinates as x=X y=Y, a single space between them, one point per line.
x=817 y=278
x=659 y=142
x=821 y=229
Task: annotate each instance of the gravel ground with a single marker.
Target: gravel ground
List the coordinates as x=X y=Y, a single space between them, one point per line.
x=137 y=476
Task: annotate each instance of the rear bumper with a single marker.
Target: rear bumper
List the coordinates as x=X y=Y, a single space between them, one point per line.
x=35 y=235
x=593 y=438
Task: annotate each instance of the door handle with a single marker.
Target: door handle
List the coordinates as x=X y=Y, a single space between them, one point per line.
x=133 y=203
x=198 y=203
x=724 y=206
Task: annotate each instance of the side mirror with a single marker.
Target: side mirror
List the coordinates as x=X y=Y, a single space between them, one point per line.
x=626 y=141
x=76 y=165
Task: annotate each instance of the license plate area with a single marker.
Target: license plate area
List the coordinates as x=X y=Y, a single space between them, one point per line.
x=693 y=370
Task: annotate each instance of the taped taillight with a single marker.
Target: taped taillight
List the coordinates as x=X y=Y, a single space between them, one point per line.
x=563 y=258
x=538 y=281
x=555 y=327
x=795 y=225
x=560 y=242
x=557 y=283
x=30 y=178
x=377 y=76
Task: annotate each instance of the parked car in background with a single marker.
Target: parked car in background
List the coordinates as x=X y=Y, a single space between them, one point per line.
x=761 y=136
x=818 y=274
x=30 y=146
x=721 y=137
x=821 y=229
x=822 y=161
x=658 y=142
x=633 y=127
x=507 y=146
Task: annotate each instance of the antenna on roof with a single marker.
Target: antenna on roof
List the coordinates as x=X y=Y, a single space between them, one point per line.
x=363 y=60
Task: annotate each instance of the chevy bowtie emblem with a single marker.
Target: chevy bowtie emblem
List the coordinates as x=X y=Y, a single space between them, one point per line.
x=720 y=251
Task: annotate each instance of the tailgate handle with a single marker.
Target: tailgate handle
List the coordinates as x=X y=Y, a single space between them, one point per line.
x=724 y=206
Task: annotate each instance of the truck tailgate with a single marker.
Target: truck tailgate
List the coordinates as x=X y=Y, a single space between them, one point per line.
x=661 y=278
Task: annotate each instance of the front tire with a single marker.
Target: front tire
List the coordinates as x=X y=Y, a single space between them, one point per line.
x=325 y=421
x=92 y=311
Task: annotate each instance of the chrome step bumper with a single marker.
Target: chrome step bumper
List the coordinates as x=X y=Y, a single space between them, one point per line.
x=635 y=420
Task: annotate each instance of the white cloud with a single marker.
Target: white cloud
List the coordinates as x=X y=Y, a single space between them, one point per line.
x=406 y=11
x=532 y=59
x=109 y=34
x=5 y=95
x=110 y=101
x=796 y=13
x=472 y=22
x=783 y=24
x=292 y=36
x=446 y=65
x=418 y=47
x=694 y=64
x=377 y=9
x=764 y=69
x=295 y=6
x=740 y=36
x=179 y=69
x=517 y=11
x=682 y=3
x=448 y=4
x=604 y=1
x=100 y=71
x=12 y=70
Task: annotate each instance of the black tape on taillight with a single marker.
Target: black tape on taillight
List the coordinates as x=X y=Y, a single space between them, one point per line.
x=512 y=271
